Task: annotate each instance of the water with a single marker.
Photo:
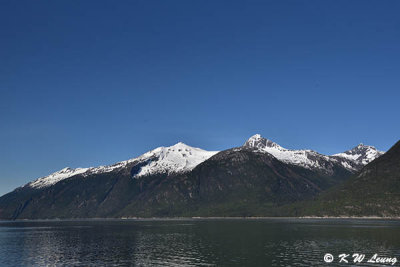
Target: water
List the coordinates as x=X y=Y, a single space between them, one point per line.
x=235 y=242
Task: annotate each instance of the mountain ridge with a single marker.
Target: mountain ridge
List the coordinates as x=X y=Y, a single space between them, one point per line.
x=183 y=181
x=353 y=159
x=304 y=157
x=177 y=158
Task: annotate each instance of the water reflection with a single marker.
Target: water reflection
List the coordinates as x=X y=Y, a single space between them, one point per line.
x=193 y=242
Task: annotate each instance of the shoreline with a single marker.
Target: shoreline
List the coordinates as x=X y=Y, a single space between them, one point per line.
x=206 y=218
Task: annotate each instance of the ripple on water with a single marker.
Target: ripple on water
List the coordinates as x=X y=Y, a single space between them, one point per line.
x=198 y=243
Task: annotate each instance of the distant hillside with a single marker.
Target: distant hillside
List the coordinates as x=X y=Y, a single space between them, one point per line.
x=374 y=191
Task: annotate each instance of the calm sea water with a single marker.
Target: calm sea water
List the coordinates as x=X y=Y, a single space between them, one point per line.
x=236 y=242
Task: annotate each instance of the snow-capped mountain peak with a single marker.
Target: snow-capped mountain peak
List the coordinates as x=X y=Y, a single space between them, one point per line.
x=353 y=159
x=173 y=159
x=257 y=141
x=304 y=158
x=177 y=158
x=361 y=153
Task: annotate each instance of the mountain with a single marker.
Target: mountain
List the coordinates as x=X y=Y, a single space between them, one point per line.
x=374 y=191
x=353 y=159
x=257 y=178
x=236 y=182
x=358 y=157
x=99 y=191
x=174 y=159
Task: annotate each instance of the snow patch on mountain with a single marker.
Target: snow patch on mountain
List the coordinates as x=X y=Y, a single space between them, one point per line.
x=177 y=158
x=352 y=160
x=56 y=177
x=304 y=158
x=362 y=154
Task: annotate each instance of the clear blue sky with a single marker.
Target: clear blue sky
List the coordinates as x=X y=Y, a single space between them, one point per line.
x=87 y=83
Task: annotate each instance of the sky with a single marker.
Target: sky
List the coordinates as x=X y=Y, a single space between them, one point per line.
x=88 y=83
